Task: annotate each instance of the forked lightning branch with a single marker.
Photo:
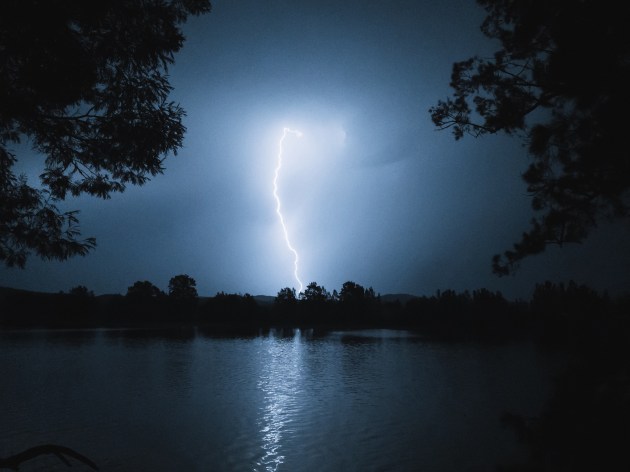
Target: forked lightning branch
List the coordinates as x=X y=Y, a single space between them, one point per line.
x=296 y=258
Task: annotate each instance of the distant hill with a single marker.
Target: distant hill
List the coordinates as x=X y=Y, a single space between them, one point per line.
x=6 y=291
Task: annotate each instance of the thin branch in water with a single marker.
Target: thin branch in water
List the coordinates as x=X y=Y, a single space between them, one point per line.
x=14 y=462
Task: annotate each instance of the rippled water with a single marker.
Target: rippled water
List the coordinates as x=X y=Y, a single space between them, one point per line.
x=364 y=401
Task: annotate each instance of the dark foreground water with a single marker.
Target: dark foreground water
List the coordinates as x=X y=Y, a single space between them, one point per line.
x=361 y=401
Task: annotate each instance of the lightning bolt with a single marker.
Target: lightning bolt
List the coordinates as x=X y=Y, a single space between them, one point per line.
x=296 y=258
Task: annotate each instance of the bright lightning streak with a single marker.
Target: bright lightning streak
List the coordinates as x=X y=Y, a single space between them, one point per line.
x=296 y=258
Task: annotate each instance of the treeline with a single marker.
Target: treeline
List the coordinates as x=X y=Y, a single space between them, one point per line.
x=555 y=312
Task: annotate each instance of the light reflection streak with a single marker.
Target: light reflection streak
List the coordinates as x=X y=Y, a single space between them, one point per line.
x=280 y=383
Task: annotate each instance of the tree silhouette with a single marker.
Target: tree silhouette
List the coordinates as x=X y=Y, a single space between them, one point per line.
x=144 y=290
x=560 y=82
x=81 y=291
x=351 y=293
x=315 y=294
x=86 y=84
x=286 y=296
x=182 y=287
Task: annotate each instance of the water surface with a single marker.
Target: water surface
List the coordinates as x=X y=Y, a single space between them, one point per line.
x=360 y=401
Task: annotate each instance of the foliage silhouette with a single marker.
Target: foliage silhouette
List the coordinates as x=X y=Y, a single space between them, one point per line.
x=182 y=287
x=285 y=305
x=560 y=82
x=81 y=291
x=356 y=302
x=313 y=293
x=286 y=296
x=351 y=292
x=230 y=309
x=86 y=84
x=556 y=313
x=144 y=290
x=143 y=303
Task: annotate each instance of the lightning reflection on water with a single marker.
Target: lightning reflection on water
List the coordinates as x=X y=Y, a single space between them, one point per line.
x=280 y=383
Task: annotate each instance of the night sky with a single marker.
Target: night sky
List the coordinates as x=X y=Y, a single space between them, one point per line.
x=371 y=193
